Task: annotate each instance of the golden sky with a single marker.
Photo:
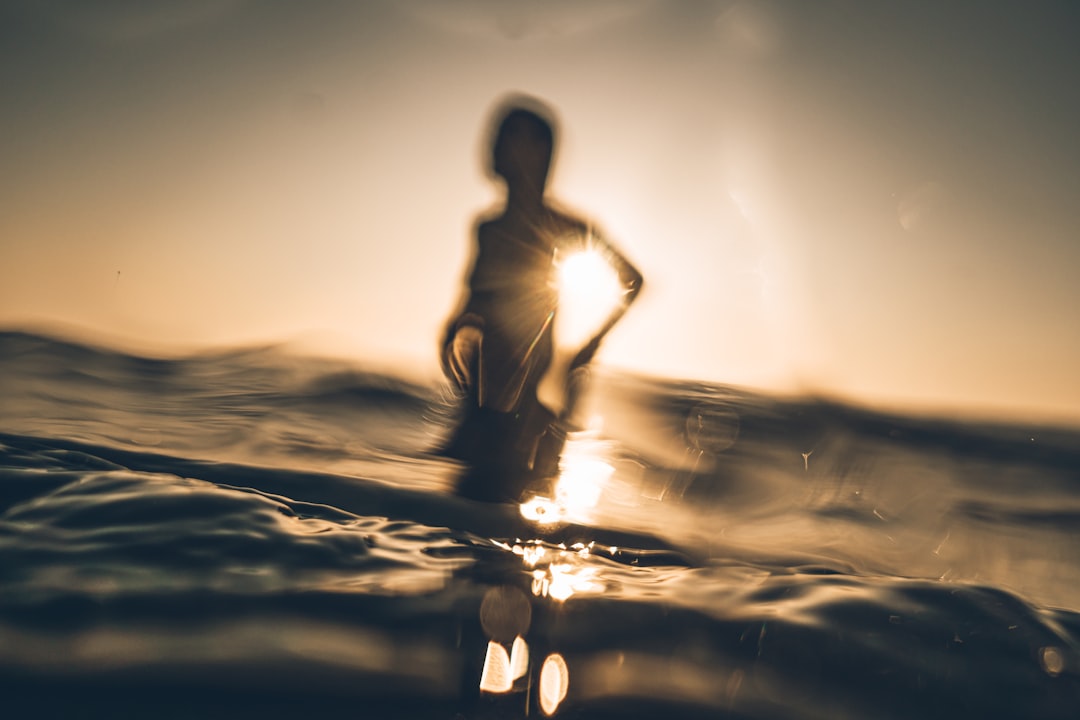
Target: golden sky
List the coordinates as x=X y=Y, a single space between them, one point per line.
x=874 y=200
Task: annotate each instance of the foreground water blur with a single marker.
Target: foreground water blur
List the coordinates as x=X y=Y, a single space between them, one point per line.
x=252 y=534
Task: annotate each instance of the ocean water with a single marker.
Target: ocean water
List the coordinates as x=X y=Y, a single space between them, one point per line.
x=253 y=534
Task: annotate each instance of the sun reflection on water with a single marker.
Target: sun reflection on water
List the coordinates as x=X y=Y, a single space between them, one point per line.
x=584 y=472
x=557 y=573
x=561 y=580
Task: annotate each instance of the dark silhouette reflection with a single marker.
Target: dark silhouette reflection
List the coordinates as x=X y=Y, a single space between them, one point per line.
x=501 y=344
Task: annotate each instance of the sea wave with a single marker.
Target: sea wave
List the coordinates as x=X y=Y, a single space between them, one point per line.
x=247 y=533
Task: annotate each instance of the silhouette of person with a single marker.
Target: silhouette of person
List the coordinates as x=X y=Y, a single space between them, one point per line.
x=500 y=344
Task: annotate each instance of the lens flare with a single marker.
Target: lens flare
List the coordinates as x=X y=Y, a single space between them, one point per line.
x=554 y=682
x=496 y=675
x=502 y=670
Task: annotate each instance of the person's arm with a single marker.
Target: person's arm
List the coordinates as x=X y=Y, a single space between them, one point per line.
x=460 y=347
x=461 y=352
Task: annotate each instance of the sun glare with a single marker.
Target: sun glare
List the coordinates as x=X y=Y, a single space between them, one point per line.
x=589 y=291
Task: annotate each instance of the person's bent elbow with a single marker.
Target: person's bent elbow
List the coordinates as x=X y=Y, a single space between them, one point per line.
x=461 y=353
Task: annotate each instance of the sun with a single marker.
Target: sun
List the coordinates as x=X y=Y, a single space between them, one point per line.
x=589 y=291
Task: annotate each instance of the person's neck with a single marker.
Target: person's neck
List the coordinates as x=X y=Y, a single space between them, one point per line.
x=524 y=203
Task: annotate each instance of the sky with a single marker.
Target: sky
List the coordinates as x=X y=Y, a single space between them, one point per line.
x=876 y=201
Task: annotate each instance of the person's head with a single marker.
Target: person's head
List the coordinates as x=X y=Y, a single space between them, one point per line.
x=523 y=146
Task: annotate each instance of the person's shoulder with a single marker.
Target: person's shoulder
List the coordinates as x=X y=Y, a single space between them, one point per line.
x=577 y=231
x=489 y=217
x=569 y=224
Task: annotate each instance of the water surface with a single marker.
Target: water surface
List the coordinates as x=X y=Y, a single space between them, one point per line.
x=252 y=534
